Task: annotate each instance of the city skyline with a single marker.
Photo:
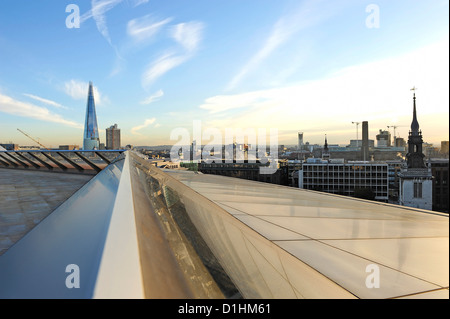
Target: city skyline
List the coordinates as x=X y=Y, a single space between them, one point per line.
x=309 y=66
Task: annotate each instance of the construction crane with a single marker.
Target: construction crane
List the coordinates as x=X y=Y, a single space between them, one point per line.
x=357 y=124
x=33 y=139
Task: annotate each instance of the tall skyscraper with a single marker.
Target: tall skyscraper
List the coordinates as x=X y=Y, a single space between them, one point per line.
x=91 y=139
x=416 y=186
x=113 y=138
x=300 y=141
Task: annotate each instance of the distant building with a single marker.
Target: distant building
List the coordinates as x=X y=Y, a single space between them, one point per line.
x=91 y=140
x=400 y=142
x=10 y=147
x=384 y=139
x=69 y=147
x=349 y=179
x=394 y=169
x=300 y=141
x=250 y=171
x=416 y=185
x=444 y=147
x=357 y=144
x=365 y=141
x=113 y=138
x=439 y=170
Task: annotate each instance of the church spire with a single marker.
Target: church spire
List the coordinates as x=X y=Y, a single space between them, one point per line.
x=414 y=123
x=415 y=156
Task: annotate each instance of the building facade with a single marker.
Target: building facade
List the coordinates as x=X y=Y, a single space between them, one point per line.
x=349 y=179
x=113 y=138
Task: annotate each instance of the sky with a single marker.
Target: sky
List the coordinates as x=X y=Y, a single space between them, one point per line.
x=311 y=66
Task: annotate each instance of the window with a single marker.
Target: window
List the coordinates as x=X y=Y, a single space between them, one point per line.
x=417 y=190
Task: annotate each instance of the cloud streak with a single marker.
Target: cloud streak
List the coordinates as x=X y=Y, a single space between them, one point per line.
x=153 y=98
x=189 y=36
x=45 y=101
x=18 y=108
x=335 y=98
x=147 y=123
x=143 y=28
x=307 y=15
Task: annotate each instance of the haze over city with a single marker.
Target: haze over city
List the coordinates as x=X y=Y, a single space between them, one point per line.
x=310 y=66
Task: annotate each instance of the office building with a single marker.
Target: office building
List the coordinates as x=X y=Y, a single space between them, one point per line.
x=113 y=138
x=91 y=140
x=349 y=179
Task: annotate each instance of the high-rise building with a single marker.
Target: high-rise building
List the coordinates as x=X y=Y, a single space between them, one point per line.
x=300 y=141
x=384 y=139
x=416 y=185
x=113 y=138
x=91 y=139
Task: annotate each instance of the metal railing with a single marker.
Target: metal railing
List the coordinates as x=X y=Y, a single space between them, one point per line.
x=77 y=161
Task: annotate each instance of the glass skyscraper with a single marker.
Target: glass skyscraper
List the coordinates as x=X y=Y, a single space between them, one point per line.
x=91 y=138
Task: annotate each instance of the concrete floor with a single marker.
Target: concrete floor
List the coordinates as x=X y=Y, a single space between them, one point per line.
x=27 y=197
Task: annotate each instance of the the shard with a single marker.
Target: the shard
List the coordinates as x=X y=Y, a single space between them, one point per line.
x=91 y=139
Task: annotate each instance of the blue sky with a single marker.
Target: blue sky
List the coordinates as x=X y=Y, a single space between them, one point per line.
x=312 y=66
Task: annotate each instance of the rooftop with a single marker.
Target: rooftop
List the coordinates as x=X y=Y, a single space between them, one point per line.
x=137 y=231
x=27 y=197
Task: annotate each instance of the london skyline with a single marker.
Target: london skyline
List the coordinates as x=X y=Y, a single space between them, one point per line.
x=309 y=66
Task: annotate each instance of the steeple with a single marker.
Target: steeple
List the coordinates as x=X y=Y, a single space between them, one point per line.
x=325 y=152
x=415 y=156
x=91 y=138
x=415 y=123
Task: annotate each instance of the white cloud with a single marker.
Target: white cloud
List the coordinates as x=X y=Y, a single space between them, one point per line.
x=189 y=35
x=137 y=3
x=145 y=27
x=154 y=97
x=78 y=90
x=23 y=109
x=147 y=123
x=160 y=67
x=45 y=101
x=308 y=14
x=378 y=92
x=98 y=11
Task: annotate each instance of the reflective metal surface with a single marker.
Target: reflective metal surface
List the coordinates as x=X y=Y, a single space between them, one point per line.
x=334 y=240
x=75 y=233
